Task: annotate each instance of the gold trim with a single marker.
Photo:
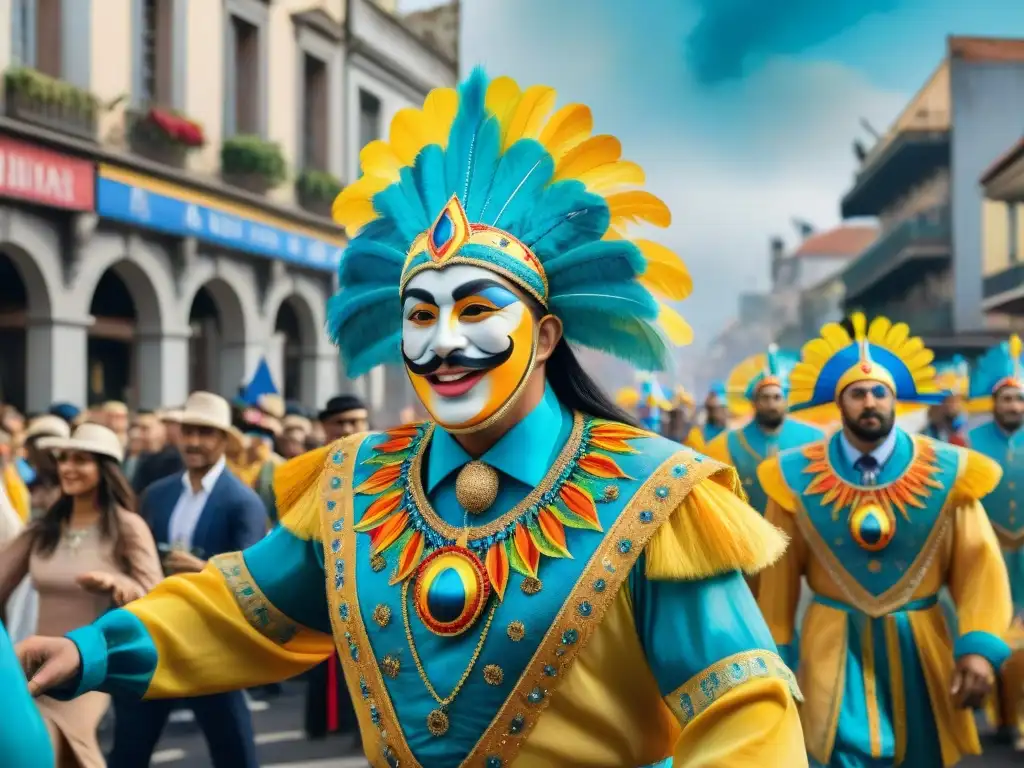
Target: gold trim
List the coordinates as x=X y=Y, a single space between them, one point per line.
x=745 y=445
x=898 y=694
x=506 y=273
x=378 y=721
x=414 y=484
x=867 y=656
x=706 y=687
x=261 y=614
x=569 y=632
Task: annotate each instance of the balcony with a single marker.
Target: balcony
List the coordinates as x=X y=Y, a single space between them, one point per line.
x=899 y=161
x=46 y=102
x=898 y=257
x=1004 y=291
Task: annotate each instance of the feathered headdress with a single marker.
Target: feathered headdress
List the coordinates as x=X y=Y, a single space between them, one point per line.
x=681 y=397
x=953 y=376
x=999 y=367
x=716 y=394
x=762 y=369
x=884 y=352
x=482 y=175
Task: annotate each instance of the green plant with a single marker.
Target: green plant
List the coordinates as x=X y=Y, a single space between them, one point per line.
x=35 y=86
x=318 y=186
x=251 y=155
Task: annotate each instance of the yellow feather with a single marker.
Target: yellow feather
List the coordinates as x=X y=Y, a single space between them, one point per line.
x=638 y=205
x=879 y=329
x=592 y=153
x=353 y=207
x=676 y=329
x=529 y=114
x=627 y=397
x=897 y=336
x=1015 y=347
x=378 y=159
x=568 y=127
x=439 y=113
x=408 y=134
x=666 y=274
x=612 y=234
x=612 y=175
x=859 y=324
x=503 y=95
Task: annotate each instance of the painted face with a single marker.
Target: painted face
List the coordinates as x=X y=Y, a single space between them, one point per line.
x=468 y=341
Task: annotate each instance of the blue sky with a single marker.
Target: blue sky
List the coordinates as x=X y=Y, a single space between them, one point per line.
x=742 y=112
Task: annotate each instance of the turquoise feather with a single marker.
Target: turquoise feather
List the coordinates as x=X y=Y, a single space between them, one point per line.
x=626 y=300
x=401 y=204
x=385 y=351
x=610 y=261
x=370 y=262
x=523 y=172
x=630 y=339
x=429 y=176
x=564 y=216
x=486 y=154
x=355 y=315
x=460 y=157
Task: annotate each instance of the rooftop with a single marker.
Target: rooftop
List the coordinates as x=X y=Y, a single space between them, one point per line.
x=842 y=241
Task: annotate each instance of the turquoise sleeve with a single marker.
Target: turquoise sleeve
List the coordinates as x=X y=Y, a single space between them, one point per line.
x=118 y=657
x=689 y=627
x=984 y=644
x=24 y=741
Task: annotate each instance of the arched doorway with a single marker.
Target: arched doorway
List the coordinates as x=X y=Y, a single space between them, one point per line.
x=204 y=321
x=14 y=305
x=218 y=342
x=294 y=347
x=111 y=346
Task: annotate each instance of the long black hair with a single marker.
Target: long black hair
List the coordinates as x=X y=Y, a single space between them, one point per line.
x=112 y=492
x=576 y=390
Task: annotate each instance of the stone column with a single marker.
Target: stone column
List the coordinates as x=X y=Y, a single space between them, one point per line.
x=56 y=361
x=321 y=375
x=161 y=361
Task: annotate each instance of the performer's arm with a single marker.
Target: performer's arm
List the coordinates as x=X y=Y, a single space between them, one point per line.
x=708 y=647
x=779 y=588
x=24 y=741
x=978 y=580
x=247 y=619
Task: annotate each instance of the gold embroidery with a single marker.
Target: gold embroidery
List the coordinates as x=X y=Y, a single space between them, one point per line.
x=609 y=566
x=390 y=665
x=516 y=631
x=610 y=493
x=493 y=674
x=259 y=611
x=382 y=615
x=378 y=563
x=531 y=586
x=711 y=684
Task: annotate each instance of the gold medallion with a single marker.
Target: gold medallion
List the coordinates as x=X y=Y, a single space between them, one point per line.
x=476 y=487
x=437 y=722
x=531 y=586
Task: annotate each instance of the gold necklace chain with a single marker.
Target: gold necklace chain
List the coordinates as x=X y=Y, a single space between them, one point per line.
x=443 y=703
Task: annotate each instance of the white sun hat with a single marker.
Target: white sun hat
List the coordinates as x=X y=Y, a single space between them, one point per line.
x=204 y=409
x=48 y=426
x=90 y=438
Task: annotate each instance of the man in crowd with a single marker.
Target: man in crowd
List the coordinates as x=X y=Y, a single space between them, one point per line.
x=344 y=415
x=162 y=457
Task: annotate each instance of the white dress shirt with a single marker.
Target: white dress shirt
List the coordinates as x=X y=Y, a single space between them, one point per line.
x=881 y=454
x=189 y=507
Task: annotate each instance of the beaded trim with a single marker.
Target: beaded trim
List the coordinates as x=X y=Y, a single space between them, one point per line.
x=258 y=610
x=705 y=688
x=583 y=610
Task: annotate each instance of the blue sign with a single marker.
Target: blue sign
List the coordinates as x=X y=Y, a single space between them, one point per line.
x=152 y=210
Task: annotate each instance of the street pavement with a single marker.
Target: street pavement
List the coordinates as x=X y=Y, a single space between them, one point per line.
x=281 y=742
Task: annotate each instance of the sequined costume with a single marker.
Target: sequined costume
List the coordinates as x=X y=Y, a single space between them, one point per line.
x=593 y=611
x=876 y=656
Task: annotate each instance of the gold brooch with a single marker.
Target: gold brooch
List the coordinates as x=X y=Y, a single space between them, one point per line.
x=437 y=722
x=378 y=563
x=516 y=631
x=476 y=487
x=611 y=493
x=530 y=585
x=382 y=615
x=390 y=665
x=493 y=674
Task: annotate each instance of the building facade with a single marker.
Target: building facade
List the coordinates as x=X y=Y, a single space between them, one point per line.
x=1003 y=247
x=165 y=206
x=920 y=181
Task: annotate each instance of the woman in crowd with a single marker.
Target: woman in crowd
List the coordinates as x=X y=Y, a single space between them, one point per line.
x=87 y=553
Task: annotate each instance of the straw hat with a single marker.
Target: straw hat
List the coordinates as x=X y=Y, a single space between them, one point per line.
x=48 y=426
x=90 y=438
x=203 y=409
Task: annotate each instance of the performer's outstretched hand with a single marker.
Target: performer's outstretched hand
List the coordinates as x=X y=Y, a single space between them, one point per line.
x=972 y=680
x=48 y=662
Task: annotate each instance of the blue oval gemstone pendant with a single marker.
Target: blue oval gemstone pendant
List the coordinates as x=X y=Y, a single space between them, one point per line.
x=451 y=590
x=872 y=527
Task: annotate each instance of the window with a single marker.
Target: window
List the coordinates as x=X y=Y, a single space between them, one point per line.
x=314 y=113
x=369 y=118
x=156 y=52
x=1013 y=232
x=23 y=33
x=48 y=37
x=245 y=90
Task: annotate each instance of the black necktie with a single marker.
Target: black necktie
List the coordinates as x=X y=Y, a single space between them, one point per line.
x=867 y=465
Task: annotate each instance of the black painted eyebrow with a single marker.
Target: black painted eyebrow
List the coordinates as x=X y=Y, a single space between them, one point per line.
x=420 y=295
x=474 y=287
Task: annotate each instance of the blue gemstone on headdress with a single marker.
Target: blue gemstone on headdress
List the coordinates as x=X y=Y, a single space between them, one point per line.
x=443 y=231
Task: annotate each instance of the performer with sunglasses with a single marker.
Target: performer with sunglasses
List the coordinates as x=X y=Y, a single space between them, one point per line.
x=879 y=521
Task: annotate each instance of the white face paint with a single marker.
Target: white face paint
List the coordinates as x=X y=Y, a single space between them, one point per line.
x=473 y=322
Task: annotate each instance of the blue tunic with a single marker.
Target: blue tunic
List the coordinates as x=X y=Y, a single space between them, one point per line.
x=24 y=741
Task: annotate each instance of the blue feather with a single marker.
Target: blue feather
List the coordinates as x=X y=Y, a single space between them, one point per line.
x=370 y=261
x=607 y=261
x=564 y=216
x=386 y=351
x=401 y=204
x=624 y=300
x=486 y=152
x=352 y=302
x=523 y=171
x=631 y=339
x=460 y=157
x=430 y=180
x=359 y=320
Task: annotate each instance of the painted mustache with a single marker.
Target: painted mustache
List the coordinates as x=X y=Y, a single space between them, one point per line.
x=459 y=360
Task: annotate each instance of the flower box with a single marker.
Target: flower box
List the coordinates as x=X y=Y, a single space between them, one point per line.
x=316 y=191
x=32 y=97
x=163 y=135
x=252 y=164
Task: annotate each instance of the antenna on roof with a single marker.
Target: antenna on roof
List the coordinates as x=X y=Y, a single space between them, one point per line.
x=804 y=229
x=870 y=128
x=858 y=151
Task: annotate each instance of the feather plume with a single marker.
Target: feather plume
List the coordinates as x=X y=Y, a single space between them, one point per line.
x=408 y=134
x=370 y=261
x=638 y=206
x=429 y=177
x=611 y=176
x=608 y=261
x=676 y=329
x=385 y=351
x=502 y=97
x=622 y=300
x=664 y=274
x=378 y=159
x=565 y=216
x=460 y=157
x=523 y=171
x=525 y=122
x=488 y=156
x=569 y=126
x=590 y=154
x=631 y=339
x=401 y=203
x=438 y=113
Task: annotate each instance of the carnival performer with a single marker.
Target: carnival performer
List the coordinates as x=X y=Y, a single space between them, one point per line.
x=545 y=585
x=879 y=521
x=948 y=420
x=761 y=389
x=998 y=383
x=681 y=420
x=716 y=412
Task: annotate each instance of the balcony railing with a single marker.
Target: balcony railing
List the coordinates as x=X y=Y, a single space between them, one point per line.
x=934 y=120
x=923 y=237
x=44 y=101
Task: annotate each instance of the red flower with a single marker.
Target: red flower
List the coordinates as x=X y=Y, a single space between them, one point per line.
x=177 y=128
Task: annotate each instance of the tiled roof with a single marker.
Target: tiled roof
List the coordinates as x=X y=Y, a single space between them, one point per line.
x=841 y=241
x=986 y=49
